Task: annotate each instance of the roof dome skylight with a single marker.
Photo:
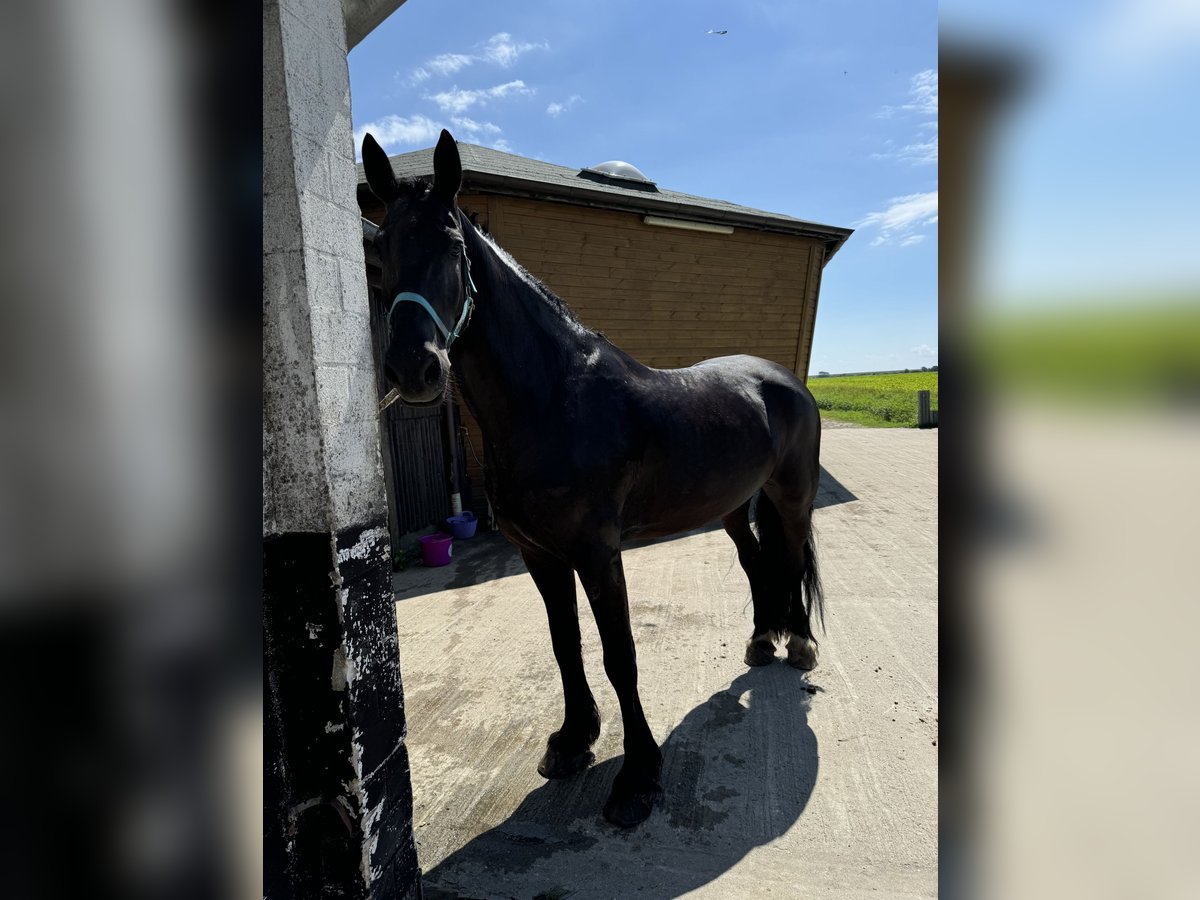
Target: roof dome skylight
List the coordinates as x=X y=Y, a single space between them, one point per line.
x=618 y=170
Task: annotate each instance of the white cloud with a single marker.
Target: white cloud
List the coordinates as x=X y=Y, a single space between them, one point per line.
x=499 y=50
x=502 y=145
x=924 y=350
x=922 y=96
x=557 y=109
x=511 y=87
x=912 y=239
x=448 y=63
x=472 y=128
x=921 y=152
x=399 y=131
x=478 y=132
x=923 y=101
x=898 y=223
x=918 y=152
x=454 y=100
x=502 y=50
x=459 y=101
x=923 y=91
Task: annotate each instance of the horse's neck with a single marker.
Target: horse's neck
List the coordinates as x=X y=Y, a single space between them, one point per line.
x=516 y=352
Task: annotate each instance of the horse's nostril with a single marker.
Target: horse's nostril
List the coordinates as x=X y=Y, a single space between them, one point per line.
x=432 y=372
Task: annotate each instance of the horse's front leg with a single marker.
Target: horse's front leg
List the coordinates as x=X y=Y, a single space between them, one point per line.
x=568 y=751
x=637 y=783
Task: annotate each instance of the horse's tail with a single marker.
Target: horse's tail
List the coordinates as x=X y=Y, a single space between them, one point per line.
x=814 y=593
x=789 y=597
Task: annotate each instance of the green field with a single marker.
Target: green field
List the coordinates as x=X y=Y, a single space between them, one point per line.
x=883 y=401
x=1116 y=355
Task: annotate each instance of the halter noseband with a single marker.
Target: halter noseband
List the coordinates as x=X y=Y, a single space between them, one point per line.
x=469 y=290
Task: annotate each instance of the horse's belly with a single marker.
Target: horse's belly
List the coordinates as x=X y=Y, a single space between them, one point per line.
x=678 y=500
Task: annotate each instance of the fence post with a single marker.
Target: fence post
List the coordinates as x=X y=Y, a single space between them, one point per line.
x=924 y=419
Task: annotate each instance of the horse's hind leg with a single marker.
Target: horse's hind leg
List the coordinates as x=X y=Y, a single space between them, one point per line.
x=568 y=750
x=768 y=613
x=803 y=584
x=802 y=564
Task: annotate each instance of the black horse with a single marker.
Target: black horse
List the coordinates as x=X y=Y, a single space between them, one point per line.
x=586 y=447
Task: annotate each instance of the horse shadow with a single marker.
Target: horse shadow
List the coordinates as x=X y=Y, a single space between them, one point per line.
x=831 y=492
x=738 y=772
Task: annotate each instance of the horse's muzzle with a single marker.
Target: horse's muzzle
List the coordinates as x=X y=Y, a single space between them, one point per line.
x=420 y=379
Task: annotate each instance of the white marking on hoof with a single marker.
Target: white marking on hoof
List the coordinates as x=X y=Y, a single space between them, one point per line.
x=801 y=653
x=760 y=651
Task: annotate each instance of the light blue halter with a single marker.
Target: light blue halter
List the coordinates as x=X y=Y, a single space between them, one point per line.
x=468 y=300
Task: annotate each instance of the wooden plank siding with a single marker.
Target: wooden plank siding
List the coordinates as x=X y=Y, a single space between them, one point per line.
x=812 y=292
x=667 y=297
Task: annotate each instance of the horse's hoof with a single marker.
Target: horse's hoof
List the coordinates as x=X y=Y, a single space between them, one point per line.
x=802 y=654
x=627 y=810
x=564 y=765
x=760 y=652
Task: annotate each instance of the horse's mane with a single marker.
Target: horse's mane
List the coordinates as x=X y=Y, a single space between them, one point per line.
x=413 y=187
x=548 y=296
x=416 y=188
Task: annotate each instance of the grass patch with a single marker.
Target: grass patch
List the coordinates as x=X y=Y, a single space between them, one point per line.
x=860 y=417
x=880 y=401
x=1128 y=355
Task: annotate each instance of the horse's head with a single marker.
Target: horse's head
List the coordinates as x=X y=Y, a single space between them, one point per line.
x=426 y=275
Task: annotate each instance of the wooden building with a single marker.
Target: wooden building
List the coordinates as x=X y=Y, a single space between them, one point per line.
x=670 y=278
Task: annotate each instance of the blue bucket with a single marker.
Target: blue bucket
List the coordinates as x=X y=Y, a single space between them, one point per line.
x=463 y=526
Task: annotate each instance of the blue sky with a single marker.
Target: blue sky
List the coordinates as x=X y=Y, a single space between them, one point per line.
x=823 y=110
x=1094 y=190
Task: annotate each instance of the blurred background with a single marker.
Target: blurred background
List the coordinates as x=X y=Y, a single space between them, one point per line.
x=130 y=499
x=1070 y=290
x=130 y=252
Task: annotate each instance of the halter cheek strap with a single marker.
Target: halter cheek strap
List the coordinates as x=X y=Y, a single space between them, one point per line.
x=469 y=290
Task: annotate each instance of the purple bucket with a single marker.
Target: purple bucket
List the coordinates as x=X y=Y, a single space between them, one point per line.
x=436 y=549
x=463 y=525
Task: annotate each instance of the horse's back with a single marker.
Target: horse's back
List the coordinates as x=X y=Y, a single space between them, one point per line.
x=791 y=411
x=716 y=432
x=744 y=367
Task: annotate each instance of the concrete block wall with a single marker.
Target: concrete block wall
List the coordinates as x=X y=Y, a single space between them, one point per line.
x=338 y=800
x=312 y=244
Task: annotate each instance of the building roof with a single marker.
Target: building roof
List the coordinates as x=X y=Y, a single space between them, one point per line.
x=494 y=172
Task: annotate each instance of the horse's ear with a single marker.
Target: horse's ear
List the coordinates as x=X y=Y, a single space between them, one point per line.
x=447 y=168
x=380 y=177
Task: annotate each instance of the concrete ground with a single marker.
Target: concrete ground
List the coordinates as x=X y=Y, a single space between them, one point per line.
x=777 y=783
